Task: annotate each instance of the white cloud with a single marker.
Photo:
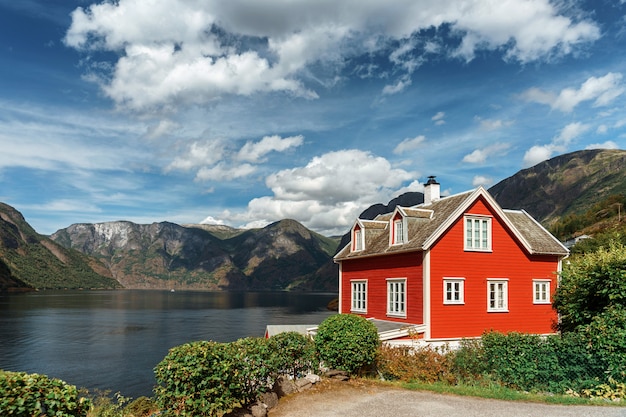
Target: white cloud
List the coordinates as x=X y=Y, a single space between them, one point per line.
x=255 y=151
x=482 y=180
x=199 y=154
x=571 y=132
x=493 y=124
x=224 y=172
x=602 y=91
x=609 y=144
x=409 y=144
x=439 y=118
x=479 y=156
x=539 y=153
x=602 y=129
x=212 y=220
x=213 y=48
x=328 y=193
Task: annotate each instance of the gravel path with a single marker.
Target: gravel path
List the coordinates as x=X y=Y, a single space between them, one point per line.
x=363 y=399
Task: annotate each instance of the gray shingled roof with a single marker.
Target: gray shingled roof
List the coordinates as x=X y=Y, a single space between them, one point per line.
x=425 y=226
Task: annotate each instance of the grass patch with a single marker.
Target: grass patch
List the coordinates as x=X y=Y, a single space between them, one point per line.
x=498 y=392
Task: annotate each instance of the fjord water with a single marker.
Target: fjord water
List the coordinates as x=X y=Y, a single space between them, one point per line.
x=112 y=340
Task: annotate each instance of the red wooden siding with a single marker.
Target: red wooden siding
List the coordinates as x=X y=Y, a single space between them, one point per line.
x=506 y=260
x=376 y=271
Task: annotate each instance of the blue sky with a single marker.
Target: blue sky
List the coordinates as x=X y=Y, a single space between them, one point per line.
x=246 y=112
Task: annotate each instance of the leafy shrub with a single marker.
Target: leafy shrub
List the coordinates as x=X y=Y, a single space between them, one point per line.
x=590 y=284
x=196 y=379
x=606 y=338
x=254 y=366
x=294 y=353
x=209 y=378
x=347 y=342
x=28 y=395
x=468 y=361
x=416 y=364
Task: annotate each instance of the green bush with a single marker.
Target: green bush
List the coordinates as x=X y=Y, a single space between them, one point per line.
x=209 y=378
x=27 y=395
x=606 y=338
x=254 y=368
x=196 y=379
x=590 y=284
x=294 y=353
x=347 y=342
x=468 y=362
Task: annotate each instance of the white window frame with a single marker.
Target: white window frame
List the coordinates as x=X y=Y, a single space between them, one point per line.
x=358 y=240
x=396 y=297
x=398 y=231
x=498 y=298
x=358 y=296
x=477 y=233
x=453 y=286
x=541 y=291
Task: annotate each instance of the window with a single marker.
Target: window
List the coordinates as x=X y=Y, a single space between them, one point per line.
x=477 y=233
x=398 y=231
x=497 y=295
x=359 y=296
x=453 y=290
x=541 y=291
x=358 y=239
x=396 y=297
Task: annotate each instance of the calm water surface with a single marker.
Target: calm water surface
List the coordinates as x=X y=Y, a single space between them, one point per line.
x=112 y=340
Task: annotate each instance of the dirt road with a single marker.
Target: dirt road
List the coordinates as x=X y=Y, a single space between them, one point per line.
x=363 y=399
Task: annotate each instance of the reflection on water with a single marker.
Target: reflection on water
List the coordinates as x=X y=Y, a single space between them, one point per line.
x=112 y=340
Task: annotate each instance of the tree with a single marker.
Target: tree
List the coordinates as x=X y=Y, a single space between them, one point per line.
x=590 y=285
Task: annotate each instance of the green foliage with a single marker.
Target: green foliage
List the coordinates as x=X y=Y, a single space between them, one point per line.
x=572 y=224
x=196 y=379
x=210 y=378
x=119 y=406
x=415 y=364
x=347 y=342
x=521 y=361
x=469 y=362
x=606 y=337
x=590 y=284
x=25 y=395
x=294 y=353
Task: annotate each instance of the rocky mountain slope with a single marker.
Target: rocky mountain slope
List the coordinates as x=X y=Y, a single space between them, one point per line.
x=563 y=185
x=283 y=255
x=29 y=260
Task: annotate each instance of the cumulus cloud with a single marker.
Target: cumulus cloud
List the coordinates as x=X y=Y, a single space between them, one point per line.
x=602 y=91
x=328 y=193
x=482 y=180
x=213 y=48
x=255 y=151
x=479 y=156
x=540 y=153
x=409 y=144
x=216 y=160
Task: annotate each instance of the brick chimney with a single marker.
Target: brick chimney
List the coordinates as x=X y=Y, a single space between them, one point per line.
x=431 y=190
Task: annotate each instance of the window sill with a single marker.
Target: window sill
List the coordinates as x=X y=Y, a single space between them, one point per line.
x=545 y=303
x=396 y=316
x=449 y=303
x=498 y=311
x=358 y=311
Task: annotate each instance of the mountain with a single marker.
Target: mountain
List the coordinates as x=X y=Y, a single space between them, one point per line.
x=283 y=255
x=564 y=185
x=30 y=260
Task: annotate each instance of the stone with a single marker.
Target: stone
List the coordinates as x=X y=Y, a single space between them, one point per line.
x=303 y=384
x=258 y=410
x=284 y=386
x=270 y=399
x=313 y=378
x=337 y=374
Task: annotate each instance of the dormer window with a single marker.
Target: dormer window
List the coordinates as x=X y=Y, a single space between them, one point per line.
x=398 y=230
x=357 y=239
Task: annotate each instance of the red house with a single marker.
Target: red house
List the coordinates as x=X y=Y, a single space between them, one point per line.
x=451 y=268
